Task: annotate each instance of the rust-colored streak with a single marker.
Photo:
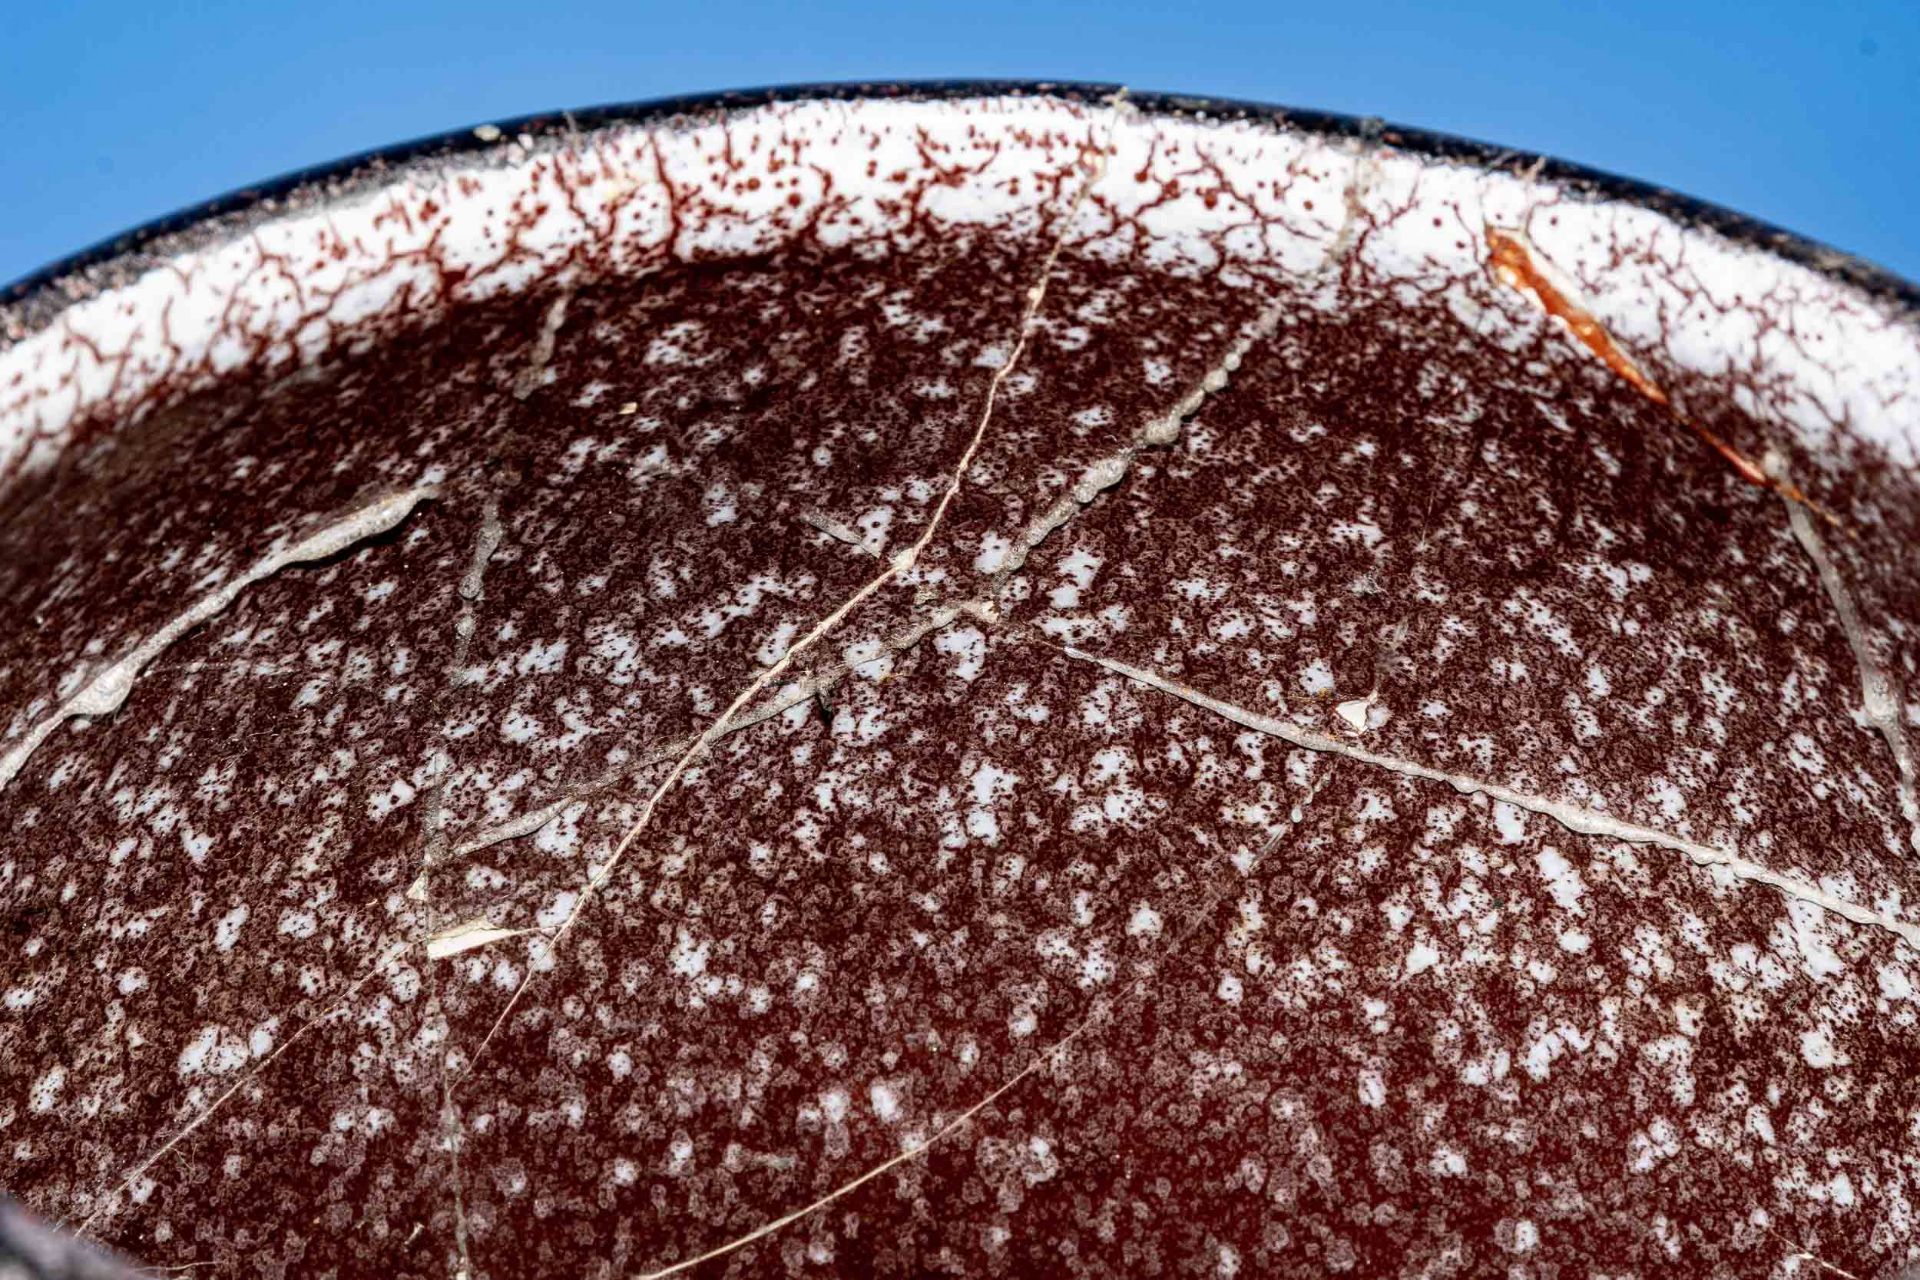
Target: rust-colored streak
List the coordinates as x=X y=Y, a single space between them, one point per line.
x=1512 y=262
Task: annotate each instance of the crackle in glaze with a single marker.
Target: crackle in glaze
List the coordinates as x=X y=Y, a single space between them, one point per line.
x=960 y=685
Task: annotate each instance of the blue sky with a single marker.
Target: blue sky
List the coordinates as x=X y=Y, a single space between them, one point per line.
x=1805 y=115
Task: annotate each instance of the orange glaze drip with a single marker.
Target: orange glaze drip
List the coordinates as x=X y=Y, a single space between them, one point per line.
x=1511 y=260
x=1513 y=264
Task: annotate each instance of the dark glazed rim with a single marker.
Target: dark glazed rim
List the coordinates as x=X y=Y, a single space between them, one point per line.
x=27 y=303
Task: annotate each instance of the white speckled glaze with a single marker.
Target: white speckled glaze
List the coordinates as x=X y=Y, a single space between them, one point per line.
x=489 y=222
x=962 y=683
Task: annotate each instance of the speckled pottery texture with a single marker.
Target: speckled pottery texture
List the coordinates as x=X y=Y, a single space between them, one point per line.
x=961 y=680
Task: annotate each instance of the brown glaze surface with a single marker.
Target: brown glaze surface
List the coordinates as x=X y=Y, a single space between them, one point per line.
x=985 y=956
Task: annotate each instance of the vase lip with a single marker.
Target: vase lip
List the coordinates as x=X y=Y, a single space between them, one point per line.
x=39 y=290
